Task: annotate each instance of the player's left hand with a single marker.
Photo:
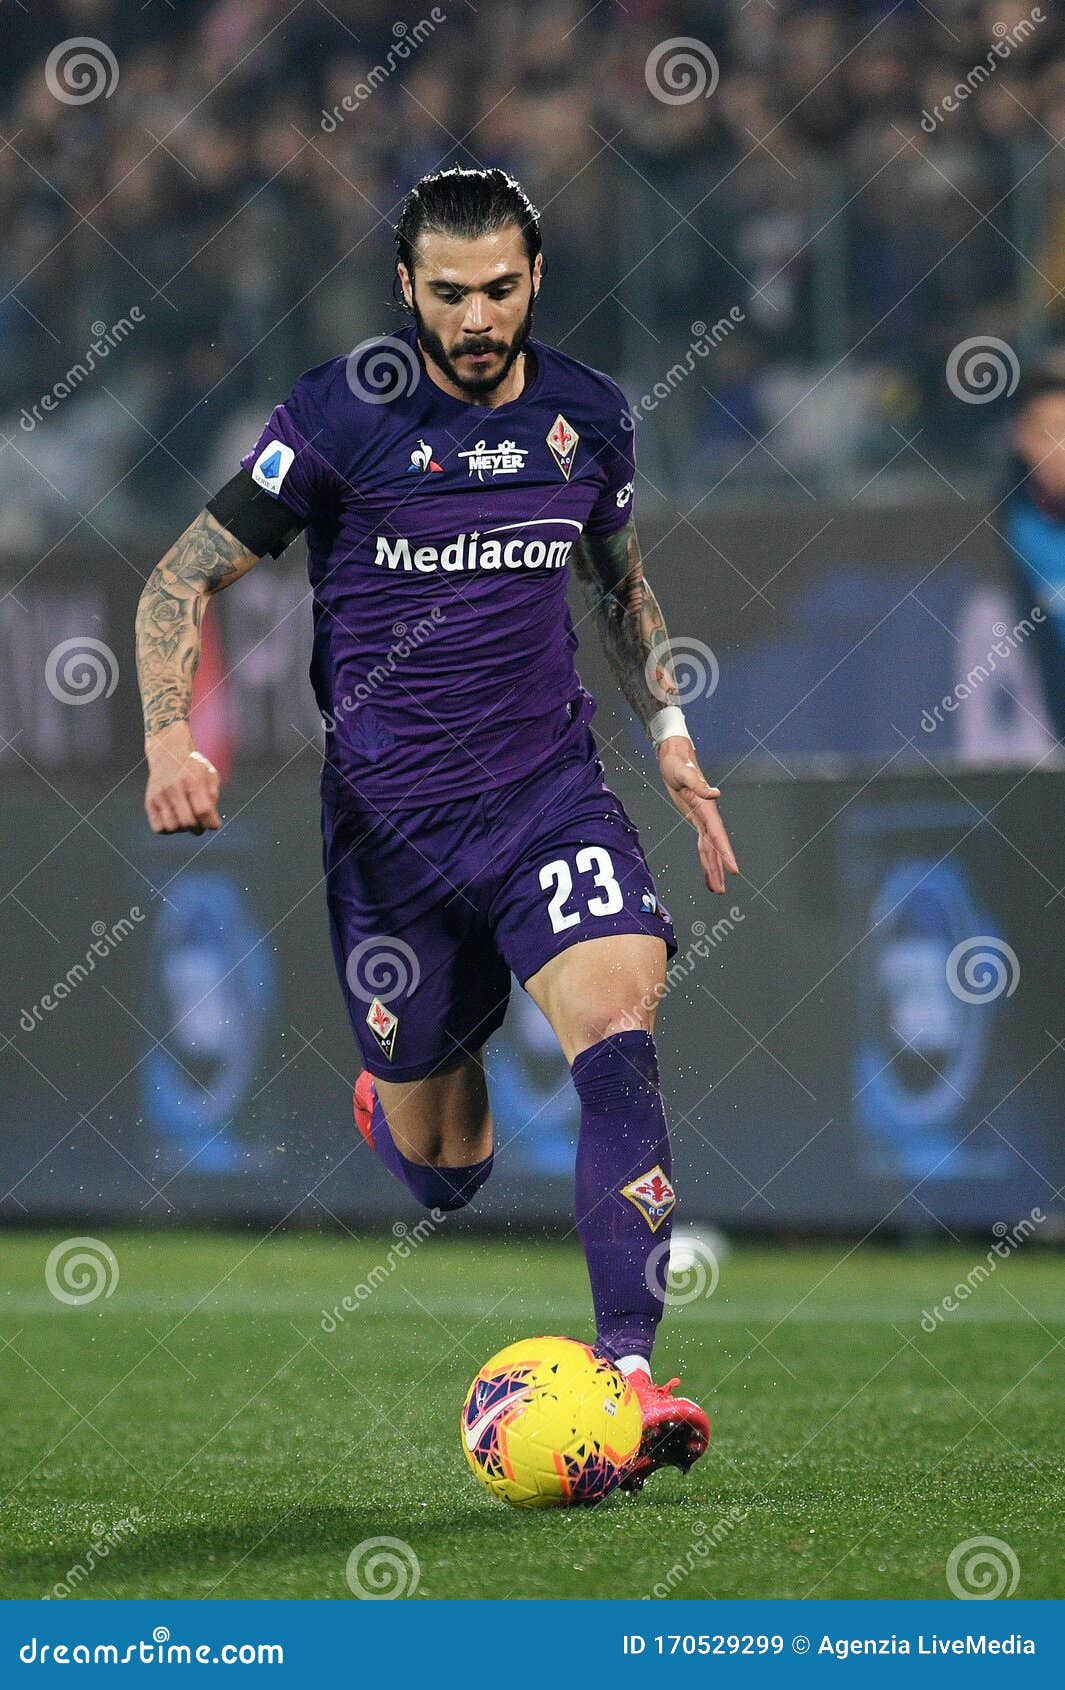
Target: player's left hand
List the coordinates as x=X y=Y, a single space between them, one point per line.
x=696 y=799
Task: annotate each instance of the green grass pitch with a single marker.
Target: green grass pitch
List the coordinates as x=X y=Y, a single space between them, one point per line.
x=250 y=1451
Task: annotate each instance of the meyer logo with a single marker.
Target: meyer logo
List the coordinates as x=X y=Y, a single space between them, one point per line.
x=504 y=459
x=382 y=1023
x=653 y=1195
x=479 y=550
x=562 y=442
x=272 y=465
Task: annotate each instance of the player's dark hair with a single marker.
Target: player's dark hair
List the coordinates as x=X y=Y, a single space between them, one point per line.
x=466 y=203
x=1047 y=376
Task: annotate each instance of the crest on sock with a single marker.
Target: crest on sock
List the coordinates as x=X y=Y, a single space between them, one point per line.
x=653 y=1195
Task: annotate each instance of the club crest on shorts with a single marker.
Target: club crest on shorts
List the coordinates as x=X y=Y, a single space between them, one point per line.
x=562 y=443
x=653 y=1196
x=382 y=1023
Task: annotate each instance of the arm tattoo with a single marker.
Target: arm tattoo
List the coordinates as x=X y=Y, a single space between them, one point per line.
x=204 y=560
x=627 y=615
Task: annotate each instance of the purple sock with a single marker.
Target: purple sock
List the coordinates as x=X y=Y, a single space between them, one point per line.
x=624 y=1198
x=436 y=1188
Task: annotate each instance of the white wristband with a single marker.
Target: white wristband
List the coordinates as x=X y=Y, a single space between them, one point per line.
x=667 y=724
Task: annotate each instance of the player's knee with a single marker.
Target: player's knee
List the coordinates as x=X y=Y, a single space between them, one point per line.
x=598 y=1022
x=458 y=1158
x=457 y=1142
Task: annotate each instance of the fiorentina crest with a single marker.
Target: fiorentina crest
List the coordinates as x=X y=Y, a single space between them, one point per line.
x=653 y=1196
x=382 y=1024
x=562 y=441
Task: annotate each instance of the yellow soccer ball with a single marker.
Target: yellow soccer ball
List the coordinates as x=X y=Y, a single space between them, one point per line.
x=549 y=1424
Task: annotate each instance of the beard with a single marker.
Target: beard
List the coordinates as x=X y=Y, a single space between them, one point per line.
x=474 y=385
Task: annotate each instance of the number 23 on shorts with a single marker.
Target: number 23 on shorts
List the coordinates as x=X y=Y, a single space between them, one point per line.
x=590 y=860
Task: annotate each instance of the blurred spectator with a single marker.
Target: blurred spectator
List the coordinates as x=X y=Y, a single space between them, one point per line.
x=1034 y=511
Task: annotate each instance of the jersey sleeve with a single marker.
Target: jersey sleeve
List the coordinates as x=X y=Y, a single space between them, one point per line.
x=288 y=460
x=617 y=456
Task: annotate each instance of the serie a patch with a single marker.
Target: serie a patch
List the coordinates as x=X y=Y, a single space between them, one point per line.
x=382 y=1023
x=272 y=465
x=653 y=1195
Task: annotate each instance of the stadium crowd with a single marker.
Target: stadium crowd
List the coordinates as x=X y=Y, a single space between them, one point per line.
x=853 y=198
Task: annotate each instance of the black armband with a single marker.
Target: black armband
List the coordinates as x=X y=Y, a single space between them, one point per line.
x=255 y=517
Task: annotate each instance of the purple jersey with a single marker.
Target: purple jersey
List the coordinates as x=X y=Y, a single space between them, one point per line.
x=438 y=536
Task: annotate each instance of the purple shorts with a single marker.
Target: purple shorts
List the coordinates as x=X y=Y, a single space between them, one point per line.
x=432 y=910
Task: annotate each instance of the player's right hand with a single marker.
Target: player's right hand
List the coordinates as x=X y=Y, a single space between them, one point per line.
x=183 y=786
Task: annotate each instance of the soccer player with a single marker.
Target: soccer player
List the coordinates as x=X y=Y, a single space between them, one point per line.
x=446 y=477
x=1034 y=516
